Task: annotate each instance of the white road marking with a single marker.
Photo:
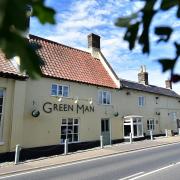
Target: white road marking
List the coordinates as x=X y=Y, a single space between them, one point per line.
x=81 y=161
x=127 y=177
x=157 y=170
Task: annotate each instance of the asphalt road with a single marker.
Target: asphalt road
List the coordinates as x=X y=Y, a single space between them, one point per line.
x=156 y=163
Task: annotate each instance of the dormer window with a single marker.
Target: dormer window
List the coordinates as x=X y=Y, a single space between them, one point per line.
x=59 y=90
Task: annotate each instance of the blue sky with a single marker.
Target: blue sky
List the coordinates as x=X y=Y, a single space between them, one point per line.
x=78 y=18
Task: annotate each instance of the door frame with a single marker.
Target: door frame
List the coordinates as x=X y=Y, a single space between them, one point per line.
x=110 y=132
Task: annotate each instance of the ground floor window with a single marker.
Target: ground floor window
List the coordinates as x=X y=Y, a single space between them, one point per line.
x=70 y=129
x=1 y=112
x=151 y=124
x=133 y=125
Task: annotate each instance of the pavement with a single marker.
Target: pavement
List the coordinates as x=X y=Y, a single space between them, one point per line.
x=86 y=155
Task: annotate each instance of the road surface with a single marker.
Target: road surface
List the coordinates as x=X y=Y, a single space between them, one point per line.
x=155 y=163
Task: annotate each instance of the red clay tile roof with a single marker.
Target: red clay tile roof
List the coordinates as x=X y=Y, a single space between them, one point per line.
x=7 y=69
x=68 y=63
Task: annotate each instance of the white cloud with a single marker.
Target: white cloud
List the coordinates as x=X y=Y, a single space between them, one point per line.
x=98 y=16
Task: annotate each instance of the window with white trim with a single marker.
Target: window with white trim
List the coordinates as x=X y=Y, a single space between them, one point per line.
x=70 y=129
x=104 y=97
x=2 y=92
x=141 y=101
x=151 y=124
x=173 y=116
x=59 y=90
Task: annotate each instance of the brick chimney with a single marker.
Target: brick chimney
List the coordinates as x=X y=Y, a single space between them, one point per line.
x=28 y=15
x=94 y=44
x=168 y=84
x=143 y=76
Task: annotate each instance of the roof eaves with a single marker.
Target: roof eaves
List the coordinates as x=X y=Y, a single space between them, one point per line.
x=58 y=78
x=13 y=76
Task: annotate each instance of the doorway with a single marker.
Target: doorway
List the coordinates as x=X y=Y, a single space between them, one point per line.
x=105 y=131
x=134 y=125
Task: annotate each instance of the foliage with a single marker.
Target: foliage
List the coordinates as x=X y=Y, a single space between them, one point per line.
x=137 y=30
x=14 y=25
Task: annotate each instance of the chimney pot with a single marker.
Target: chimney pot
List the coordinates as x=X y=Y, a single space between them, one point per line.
x=94 y=41
x=168 y=84
x=143 y=76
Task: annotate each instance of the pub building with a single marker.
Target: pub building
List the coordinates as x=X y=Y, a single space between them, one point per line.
x=79 y=97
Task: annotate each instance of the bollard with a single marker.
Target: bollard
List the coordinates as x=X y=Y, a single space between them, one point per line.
x=66 y=146
x=101 y=142
x=17 y=154
x=166 y=132
x=130 y=137
x=151 y=135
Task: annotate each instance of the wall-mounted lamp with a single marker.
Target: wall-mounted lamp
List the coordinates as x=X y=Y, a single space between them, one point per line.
x=158 y=113
x=76 y=100
x=157 y=99
x=90 y=101
x=60 y=99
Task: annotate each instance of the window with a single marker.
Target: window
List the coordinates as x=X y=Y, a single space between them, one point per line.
x=151 y=124
x=59 y=90
x=141 y=101
x=104 y=125
x=1 y=112
x=133 y=125
x=173 y=116
x=104 y=97
x=70 y=130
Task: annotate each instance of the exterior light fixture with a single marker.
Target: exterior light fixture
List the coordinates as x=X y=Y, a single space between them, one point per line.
x=90 y=101
x=60 y=99
x=76 y=100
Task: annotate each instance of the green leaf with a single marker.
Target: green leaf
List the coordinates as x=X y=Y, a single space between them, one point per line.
x=126 y=21
x=177 y=48
x=43 y=13
x=178 y=12
x=164 y=33
x=167 y=4
x=175 y=78
x=148 y=14
x=167 y=64
x=131 y=35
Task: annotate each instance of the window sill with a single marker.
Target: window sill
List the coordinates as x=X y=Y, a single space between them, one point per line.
x=1 y=143
x=105 y=104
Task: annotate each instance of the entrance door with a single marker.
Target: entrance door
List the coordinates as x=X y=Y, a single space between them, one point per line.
x=178 y=123
x=105 y=131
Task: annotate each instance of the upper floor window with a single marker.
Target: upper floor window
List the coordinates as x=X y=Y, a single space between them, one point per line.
x=173 y=116
x=151 y=124
x=104 y=97
x=141 y=101
x=60 y=90
x=1 y=112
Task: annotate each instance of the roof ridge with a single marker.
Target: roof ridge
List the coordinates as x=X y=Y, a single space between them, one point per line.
x=57 y=43
x=146 y=85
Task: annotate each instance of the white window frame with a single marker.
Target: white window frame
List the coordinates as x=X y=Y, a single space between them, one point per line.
x=57 y=90
x=101 y=97
x=2 y=116
x=141 y=101
x=173 y=116
x=67 y=132
x=151 y=125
